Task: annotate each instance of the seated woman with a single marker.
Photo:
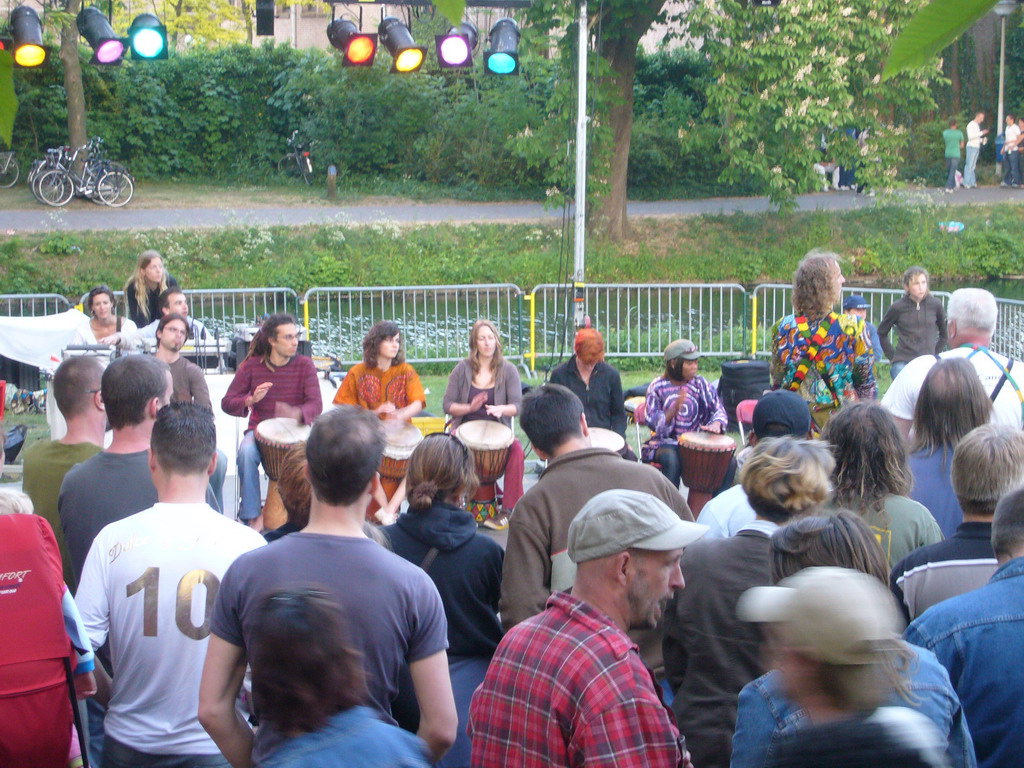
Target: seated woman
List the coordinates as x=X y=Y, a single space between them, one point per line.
x=106 y=327
x=596 y=384
x=307 y=685
x=388 y=386
x=142 y=290
x=952 y=403
x=679 y=401
x=441 y=537
x=486 y=387
x=872 y=478
x=767 y=715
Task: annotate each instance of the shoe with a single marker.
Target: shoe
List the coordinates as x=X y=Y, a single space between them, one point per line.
x=499 y=523
x=1003 y=184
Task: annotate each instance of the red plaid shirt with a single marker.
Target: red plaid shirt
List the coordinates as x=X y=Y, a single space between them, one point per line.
x=567 y=688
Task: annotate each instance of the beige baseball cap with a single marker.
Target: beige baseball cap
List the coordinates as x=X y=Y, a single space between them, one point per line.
x=837 y=615
x=617 y=520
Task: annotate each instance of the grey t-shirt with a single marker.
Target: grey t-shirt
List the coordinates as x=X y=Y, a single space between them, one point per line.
x=391 y=607
x=102 y=490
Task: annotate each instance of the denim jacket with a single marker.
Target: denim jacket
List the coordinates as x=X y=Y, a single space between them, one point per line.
x=979 y=638
x=766 y=717
x=354 y=738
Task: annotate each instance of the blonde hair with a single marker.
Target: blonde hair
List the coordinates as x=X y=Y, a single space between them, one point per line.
x=988 y=463
x=138 y=278
x=787 y=476
x=15 y=503
x=498 y=361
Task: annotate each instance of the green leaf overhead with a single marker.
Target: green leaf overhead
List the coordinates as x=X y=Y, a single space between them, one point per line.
x=8 y=101
x=452 y=9
x=933 y=28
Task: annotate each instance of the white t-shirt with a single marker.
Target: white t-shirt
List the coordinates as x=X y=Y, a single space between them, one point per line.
x=902 y=395
x=1011 y=134
x=150 y=582
x=973 y=134
x=727 y=513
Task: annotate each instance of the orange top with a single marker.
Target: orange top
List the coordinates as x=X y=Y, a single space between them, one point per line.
x=371 y=387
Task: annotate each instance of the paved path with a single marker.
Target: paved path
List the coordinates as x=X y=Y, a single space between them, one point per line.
x=85 y=216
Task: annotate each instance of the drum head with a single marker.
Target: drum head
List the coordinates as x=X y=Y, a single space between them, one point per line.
x=606 y=438
x=483 y=435
x=401 y=437
x=282 y=431
x=707 y=441
x=632 y=403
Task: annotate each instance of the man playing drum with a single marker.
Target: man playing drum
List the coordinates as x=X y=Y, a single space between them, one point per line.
x=273 y=381
x=678 y=402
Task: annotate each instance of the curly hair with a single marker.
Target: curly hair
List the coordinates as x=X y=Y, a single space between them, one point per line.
x=816 y=287
x=440 y=470
x=786 y=476
x=380 y=331
x=589 y=346
x=871 y=458
x=498 y=361
x=97 y=291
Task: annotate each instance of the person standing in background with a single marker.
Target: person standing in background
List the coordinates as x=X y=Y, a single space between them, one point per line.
x=975 y=138
x=953 y=138
x=920 y=320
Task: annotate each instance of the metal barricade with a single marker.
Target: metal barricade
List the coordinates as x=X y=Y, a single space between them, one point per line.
x=221 y=310
x=640 y=320
x=32 y=304
x=435 y=319
x=1009 y=336
x=770 y=302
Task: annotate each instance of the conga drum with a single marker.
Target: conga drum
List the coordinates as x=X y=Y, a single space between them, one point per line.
x=274 y=438
x=488 y=442
x=606 y=438
x=704 y=458
x=400 y=439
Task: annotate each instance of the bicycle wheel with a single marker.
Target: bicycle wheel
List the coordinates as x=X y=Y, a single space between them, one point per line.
x=286 y=165
x=9 y=173
x=55 y=188
x=306 y=165
x=115 y=188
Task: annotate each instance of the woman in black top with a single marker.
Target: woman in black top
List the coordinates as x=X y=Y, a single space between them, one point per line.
x=143 y=289
x=440 y=536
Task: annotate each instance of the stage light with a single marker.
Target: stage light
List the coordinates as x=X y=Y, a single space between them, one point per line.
x=94 y=27
x=265 y=13
x=147 y=37
x=455 y=49
x=396 y=37
x=359 y=49
x=502 y=58
x=28 y=37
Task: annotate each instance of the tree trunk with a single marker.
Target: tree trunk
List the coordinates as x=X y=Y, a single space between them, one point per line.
x=609 y=217
x=74 y=92
x=954 y=77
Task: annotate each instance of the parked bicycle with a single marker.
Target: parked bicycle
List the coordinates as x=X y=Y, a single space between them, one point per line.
x=9 y=170
x=297 y=160
x=55 y=180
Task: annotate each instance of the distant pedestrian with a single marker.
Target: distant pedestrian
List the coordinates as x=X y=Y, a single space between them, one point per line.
x=975 y=139
x=1011 y=140
x=858 y=306
x=954 y=140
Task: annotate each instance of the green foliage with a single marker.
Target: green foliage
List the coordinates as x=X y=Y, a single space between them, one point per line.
x=8 y=99
x=788 y=77
x=931 y=29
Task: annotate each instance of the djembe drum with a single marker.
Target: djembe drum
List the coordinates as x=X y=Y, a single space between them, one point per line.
x=704 y=458
x=488 y=442
x=606 y=438
x=401 y=438
x=274 y=438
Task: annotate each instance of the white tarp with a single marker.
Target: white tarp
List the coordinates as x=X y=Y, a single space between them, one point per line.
x=39 y=341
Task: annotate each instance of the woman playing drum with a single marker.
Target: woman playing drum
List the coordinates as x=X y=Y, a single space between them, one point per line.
x=486 y=386
x=387 y=385
x=679 y=401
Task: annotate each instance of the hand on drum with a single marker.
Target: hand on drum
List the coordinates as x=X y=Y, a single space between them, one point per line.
x=384 y=409
x=288 y=411
x=714 y=426
x=497 y=411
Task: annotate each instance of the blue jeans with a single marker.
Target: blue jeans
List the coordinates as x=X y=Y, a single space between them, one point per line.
x=249 y=477
x=895 y=369
x=466 y=673
x=96 y=713
x=970 y=165
x=118 y=755
x=217 y=479
x=952 y=163
x=1013 y=174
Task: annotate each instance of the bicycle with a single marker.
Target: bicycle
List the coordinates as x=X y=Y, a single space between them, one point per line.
x=297 y=161
x=9 y=170
x=54 y=180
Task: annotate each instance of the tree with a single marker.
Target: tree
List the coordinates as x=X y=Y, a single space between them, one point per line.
x=791 y=78
x=933 y=27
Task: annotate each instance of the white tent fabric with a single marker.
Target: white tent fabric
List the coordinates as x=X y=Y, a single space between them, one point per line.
x=39 y=341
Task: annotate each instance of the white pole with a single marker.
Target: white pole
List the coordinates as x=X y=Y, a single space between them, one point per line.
x=1002 y=77
x=581 y=169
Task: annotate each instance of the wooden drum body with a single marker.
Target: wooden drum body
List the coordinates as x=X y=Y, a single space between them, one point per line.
x=274 y=438
x=489 y=443
x=704 y=460
x=401 y=438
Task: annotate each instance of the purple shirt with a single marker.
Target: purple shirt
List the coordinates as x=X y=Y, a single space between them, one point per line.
x=295 y=383
x=701 y=406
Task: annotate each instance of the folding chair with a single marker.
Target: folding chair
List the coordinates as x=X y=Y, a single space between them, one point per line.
x=745 y=417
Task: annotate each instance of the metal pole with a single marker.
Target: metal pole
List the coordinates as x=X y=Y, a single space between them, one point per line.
x=1002 y=77
x=581 y=169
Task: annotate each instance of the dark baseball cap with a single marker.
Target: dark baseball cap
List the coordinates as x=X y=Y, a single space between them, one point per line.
x=785 y=411
x=855 y=302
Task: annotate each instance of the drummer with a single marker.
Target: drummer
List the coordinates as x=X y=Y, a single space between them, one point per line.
x=597 y=384
x=485 y=386
x=680 y=401
x=386 y=385
x=273 y=381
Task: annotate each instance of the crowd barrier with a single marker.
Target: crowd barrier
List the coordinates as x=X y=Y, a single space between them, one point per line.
x=637 y=320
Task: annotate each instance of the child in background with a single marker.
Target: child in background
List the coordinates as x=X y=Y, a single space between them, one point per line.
x=919 y=319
